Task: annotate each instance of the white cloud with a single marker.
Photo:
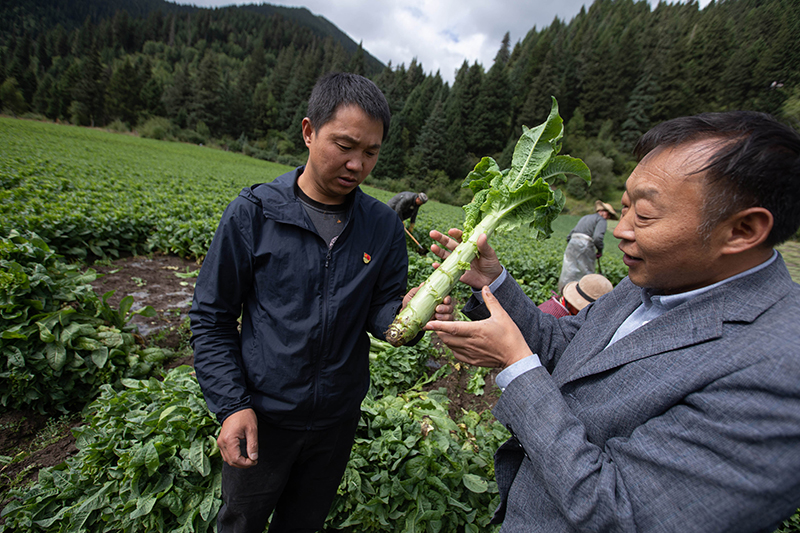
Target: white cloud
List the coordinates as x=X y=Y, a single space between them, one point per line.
x=440 y=34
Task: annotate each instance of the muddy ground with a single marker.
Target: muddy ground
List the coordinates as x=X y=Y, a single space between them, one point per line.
x=35 y=441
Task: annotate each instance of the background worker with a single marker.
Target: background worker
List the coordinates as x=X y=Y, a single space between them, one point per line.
x=577 y=295
x=311 y=264
x=585 y=244
x=406 y=204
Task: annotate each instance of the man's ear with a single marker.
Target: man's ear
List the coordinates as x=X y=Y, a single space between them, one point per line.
x=747 y=229
x=308 y=130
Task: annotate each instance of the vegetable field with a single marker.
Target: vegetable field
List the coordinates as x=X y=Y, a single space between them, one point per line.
x=147 y=459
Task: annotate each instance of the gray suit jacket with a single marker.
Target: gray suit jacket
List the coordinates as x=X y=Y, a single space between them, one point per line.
x=690 y=423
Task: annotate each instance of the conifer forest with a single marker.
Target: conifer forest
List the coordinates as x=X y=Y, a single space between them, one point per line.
x=239 y=77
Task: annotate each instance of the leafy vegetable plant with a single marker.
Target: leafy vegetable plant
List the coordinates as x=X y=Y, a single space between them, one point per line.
x=147 y=461
x=413 y=468
x=521 y=196
x=58 y=341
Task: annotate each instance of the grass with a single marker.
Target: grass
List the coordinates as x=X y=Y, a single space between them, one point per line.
x=791 y=255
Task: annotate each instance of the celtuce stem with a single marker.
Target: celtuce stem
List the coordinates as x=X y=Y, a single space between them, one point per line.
x=422 y=306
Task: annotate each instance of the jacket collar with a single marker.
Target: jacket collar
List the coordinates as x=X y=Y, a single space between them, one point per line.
x=698 y=320
x=279 y=202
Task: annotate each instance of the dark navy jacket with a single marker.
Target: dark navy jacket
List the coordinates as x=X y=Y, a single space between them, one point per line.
x=302 y=358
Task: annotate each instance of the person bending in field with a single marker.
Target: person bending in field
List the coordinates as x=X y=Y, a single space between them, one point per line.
x=406 y=204
x=671 y=403
x=311 y=264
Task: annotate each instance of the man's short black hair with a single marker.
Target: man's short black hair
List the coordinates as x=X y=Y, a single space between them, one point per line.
x=343 y=88
x=756 y=164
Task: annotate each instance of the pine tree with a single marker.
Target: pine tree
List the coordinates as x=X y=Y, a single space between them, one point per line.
x=391 y=161
x=255 y=68
x=429 y=153
x=492 y=124
x=456 y=108
x=468 y=94
x=88 y=95
x=177 y=96
x=357 y=63
x=638 y=112
x=265 y=108
x=123 y=99
x=206 y=103
x=419 y=105
x=302 y=81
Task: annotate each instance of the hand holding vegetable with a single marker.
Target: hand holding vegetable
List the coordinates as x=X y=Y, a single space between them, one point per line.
x=483 y=270
x=495 y=342
x=444 y=311
x=503 y=200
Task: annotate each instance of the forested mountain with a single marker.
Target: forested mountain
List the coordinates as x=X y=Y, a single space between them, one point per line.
x=240 y=77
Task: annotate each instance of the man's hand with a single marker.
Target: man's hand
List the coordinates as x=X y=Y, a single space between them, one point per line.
x=495 y=342
x=240 y=425
x=444 y=311
x=484 y=269
x=411 y=227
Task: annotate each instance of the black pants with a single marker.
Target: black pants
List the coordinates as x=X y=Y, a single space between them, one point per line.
x=297 y=475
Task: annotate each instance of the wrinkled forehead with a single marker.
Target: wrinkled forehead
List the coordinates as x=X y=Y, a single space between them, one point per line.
x=678 y=165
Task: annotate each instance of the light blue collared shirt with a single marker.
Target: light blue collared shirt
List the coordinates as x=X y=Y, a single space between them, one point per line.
x=653 y=306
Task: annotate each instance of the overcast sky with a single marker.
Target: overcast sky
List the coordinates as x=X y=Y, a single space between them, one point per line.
x=440 y=34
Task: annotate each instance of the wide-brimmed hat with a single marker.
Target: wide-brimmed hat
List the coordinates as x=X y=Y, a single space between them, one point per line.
x=600 y=206
x=581 y=293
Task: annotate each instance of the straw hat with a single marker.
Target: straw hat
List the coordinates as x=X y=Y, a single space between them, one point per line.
x=581 y=293
x=600 y=206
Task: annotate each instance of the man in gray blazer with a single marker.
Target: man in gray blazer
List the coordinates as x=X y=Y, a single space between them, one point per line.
x=673 y=402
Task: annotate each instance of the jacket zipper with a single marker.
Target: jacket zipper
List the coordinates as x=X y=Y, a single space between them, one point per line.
x=325 y=309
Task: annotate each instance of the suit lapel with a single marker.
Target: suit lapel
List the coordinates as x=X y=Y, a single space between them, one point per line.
x=683 y=326
x=595 y=332
x=693 y=322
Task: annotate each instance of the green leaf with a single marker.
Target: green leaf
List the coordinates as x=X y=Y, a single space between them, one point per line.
x=15 y=357
x=45 y=334
x=151 y=459
x=564 y=165
x=417 y=468
x=56 y=355
x=475 y=483
x=199 y=459
x=100 y=356
x=146 y=311
x=144 y=506
x=125 y=305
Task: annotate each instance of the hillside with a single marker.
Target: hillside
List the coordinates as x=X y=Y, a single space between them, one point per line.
x=239 y=77
x=71 y=14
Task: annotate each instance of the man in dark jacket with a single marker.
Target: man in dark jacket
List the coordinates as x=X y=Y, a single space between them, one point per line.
x=406 y=204
x=311 y=264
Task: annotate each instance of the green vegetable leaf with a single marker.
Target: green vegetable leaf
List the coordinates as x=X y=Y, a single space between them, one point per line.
x=56 y=355
x=475 y=483
x=199 y=459
x=151 y=459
